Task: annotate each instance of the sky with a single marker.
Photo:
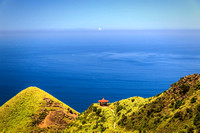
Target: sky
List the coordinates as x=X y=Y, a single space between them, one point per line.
x=92 y=14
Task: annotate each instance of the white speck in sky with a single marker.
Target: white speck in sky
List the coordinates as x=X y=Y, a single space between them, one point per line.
x=99 y=29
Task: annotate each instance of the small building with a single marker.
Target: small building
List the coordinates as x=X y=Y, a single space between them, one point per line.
x=103 y=102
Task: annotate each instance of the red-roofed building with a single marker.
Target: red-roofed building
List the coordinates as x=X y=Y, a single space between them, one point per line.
x=103 y=102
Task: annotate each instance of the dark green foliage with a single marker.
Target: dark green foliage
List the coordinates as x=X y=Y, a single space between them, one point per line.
x=133 y=100
x=156 y=120
x=172 y=104
x=198 y=108
x=96 y=126
x=178 y=115
x=189 y=113
x=119 y=107
x=123 y=120
x=94 y=109
x=158 y=94
x=42 y=115
x=198 y=85
x=190 y=130
x=102 y=128
x=178 y=104
x=98 y=112
x=149 y=112
x=83 y=122
x=103 y=119
x=196 y=120
x=184 y=89
x=193 y=100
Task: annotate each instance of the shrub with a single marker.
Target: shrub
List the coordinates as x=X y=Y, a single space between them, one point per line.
x=103 y=119
x=158 y=94
x=98 y=112
x=156 y=120
x=42 y=115
x=198 y=107
x=193 y=100
x=119 y=107
x=171 y=105
x=122 y=121
x=184 y=88
x=178 y=115
x=94 y=109
x=83 y=122
x=198 y=85
x=178 y=104
x=102 y=128
x=188 y=113
x=95 y=126
x=196 y=120
x=190 y=130
x=149 y=112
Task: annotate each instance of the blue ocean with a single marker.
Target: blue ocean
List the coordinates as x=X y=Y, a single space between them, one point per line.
x=80 y=67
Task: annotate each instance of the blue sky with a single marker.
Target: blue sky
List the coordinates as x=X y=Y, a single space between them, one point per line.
x=91 y=14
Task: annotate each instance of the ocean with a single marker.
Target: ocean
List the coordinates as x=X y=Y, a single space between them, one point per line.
x=80 y=67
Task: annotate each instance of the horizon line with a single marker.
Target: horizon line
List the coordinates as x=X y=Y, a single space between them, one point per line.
x=85 y=29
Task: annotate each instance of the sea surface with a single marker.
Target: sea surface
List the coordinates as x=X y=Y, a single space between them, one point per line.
x=80 y=67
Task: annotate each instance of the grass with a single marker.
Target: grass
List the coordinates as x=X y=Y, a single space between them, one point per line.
x=175 y=110
x=18 y=114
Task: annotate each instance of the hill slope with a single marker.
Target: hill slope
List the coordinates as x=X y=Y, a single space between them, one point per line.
x=34 y=110
x=175 y=110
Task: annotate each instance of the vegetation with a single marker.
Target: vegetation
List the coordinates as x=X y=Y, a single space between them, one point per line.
x=26 y=111
x=174 y=110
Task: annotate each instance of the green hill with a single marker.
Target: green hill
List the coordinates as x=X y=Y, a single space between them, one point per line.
x=34 y=110
x=175 y=110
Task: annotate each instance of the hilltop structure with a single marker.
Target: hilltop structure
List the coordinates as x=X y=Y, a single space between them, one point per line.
x=103 y=102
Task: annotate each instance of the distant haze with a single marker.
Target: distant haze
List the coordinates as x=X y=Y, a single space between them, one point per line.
x=107 y=14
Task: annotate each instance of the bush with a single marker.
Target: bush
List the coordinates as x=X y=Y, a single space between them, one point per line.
x=178 y=104
x=83 y=122
x=103 y=119
x=190 y=130
x=198 y=85
x=171 y=105
x=94 y=109
x=193 y=100
x=149 y=112
x=122 y=121
x=98 y=112
x=42 y=115
x=119 y=107
x=102 y=128
x=188 y=113
x=198 y=108
x=178 y=115
x=196 y=120
x=95 y=126
x=184 y=88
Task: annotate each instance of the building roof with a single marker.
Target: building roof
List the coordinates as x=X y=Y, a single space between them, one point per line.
x=103 y=101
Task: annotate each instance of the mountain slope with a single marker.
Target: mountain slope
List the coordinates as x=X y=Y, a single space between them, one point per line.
x=34 y=110
x=175 y=110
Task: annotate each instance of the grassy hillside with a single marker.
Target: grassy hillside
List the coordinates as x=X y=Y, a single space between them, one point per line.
x=34 y=110
x=175 y=110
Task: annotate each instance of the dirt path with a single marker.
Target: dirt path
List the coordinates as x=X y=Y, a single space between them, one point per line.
x=114 y=116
